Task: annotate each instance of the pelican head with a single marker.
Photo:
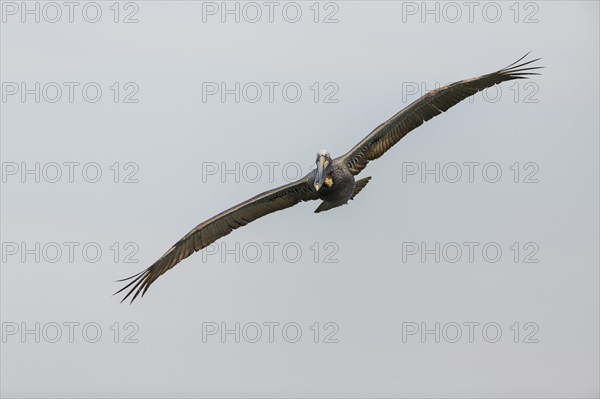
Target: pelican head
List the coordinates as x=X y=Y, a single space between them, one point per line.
x=324 y=165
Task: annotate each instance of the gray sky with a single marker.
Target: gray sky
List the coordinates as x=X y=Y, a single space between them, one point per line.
x=511 y=302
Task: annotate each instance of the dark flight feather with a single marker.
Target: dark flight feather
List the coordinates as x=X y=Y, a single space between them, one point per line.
x=425 y=108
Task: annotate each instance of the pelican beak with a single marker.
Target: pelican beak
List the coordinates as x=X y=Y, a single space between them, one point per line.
x=320 y=173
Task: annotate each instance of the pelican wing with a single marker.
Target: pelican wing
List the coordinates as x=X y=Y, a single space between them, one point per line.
x=431 y=104
x=219 y=226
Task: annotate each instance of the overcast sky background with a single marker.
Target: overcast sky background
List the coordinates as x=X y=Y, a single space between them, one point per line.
x=372 y=58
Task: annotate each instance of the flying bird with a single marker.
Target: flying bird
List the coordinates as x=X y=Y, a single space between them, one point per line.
x=333 y=181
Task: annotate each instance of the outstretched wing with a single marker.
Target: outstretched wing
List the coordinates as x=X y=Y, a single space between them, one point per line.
x=431 y=104
x=219 y=226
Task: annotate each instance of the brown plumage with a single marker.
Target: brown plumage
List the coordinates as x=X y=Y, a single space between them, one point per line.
x=431 y=104
x=337 y=174
x=219 y=226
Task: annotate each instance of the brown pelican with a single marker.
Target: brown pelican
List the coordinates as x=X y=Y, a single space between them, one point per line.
x=333 y=180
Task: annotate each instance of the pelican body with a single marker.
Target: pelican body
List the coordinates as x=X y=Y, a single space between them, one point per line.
x=333 y=181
